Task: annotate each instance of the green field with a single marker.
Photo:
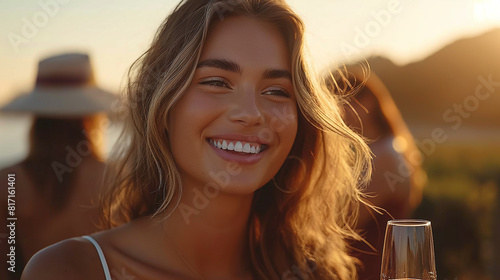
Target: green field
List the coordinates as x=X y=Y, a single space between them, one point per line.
x=461 y=200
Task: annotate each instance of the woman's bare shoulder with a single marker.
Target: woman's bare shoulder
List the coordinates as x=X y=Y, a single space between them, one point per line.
x=74 y=258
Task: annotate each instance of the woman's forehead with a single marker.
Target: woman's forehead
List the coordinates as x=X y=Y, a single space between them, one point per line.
x=247 y=41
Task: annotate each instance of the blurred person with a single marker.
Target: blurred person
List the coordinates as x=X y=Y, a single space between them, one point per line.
x=397 y=178
x=57 y=184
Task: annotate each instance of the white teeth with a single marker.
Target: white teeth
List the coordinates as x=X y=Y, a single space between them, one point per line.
x=246 y=148
x=238 y=147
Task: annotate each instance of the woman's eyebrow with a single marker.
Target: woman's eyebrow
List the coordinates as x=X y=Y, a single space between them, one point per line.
x=273 y=73
x=231 y=66
x=222 y=64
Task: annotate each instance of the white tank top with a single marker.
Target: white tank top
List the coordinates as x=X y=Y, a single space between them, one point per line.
x=101 y=256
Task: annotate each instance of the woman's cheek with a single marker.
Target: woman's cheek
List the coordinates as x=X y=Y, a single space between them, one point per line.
x=284 y=119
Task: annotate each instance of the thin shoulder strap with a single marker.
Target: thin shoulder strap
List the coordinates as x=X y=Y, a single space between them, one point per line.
x=101 y=256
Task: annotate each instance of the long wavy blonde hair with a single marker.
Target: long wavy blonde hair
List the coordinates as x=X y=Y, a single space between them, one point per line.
x=301 y=232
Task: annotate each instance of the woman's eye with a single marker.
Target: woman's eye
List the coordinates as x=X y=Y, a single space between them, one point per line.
x=215 y=83
x=277 y=92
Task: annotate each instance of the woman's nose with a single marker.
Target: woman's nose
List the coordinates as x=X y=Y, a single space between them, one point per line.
x=247 y=110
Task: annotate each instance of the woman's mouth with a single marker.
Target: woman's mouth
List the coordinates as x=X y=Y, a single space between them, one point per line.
x=237 y=146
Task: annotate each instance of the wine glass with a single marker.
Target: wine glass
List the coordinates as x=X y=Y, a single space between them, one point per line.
x=408 y=251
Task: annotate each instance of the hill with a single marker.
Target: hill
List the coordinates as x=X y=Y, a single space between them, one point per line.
x=456 y=87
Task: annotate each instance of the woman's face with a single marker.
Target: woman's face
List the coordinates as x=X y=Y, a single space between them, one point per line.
x=235 y=125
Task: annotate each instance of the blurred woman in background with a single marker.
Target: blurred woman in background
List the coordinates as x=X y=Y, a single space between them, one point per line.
x=57 y=184
x=397 y=178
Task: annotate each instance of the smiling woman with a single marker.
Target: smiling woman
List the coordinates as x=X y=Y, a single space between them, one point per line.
x=235 y=163
x=237 y=88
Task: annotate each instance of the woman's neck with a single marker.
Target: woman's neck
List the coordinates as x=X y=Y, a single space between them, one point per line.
x=210 y=233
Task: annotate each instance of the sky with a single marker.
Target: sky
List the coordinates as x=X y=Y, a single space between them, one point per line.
x=116 y=32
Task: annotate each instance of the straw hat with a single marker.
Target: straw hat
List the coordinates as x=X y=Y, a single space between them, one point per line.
x=65 y=87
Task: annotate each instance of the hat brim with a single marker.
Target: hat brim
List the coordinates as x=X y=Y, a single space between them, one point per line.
x=63 y=102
